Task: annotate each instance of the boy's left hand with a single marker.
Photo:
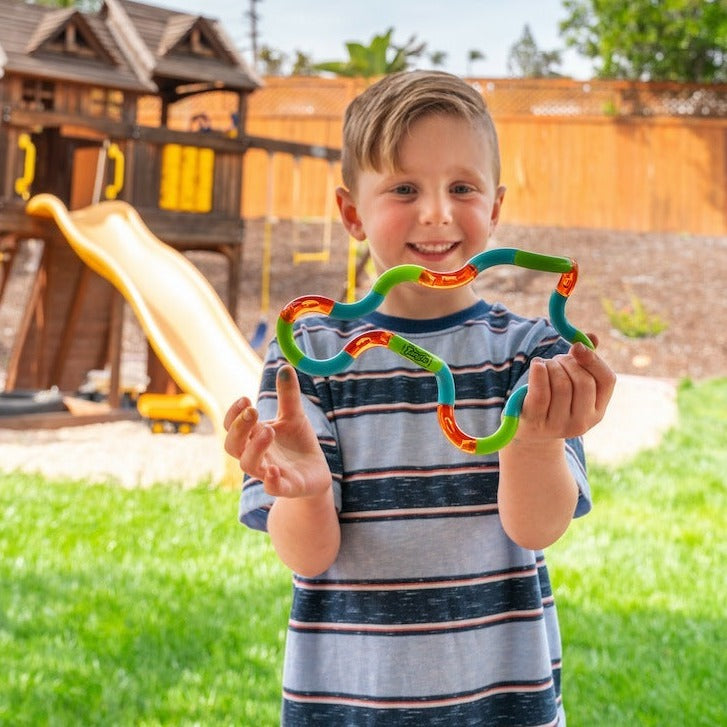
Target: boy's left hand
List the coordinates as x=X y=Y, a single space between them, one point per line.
x=567 y=395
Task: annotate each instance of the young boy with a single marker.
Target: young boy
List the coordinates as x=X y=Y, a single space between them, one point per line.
x=421 y=594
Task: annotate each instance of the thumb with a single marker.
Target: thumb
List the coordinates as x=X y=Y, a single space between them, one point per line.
x=593 y=338
x=288 y=389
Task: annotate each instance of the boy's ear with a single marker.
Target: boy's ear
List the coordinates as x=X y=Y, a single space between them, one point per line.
x=497 y=207
x=349 y=214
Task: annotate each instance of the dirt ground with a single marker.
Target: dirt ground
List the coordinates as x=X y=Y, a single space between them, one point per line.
x=679 y=278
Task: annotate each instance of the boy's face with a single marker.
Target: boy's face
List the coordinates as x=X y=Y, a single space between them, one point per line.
x=437 y=210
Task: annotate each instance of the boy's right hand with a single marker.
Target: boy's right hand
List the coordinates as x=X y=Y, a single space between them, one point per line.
x=283 y=453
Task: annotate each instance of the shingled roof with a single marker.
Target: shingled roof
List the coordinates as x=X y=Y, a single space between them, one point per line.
x=64 y=44
x=126 y=45
x=183 y=49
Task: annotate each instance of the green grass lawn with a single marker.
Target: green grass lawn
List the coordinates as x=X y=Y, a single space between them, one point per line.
x=154 y=607
x=642 y=581
x=135 y=607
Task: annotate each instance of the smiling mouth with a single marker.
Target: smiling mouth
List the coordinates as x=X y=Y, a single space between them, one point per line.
x=438 y=248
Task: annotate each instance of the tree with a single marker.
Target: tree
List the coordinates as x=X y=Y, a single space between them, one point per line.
x=302 y=65
x=527 y=60
x=438 y=58
x=659 y=40
x=474 y=55
x=377 y=58
x=270 y=61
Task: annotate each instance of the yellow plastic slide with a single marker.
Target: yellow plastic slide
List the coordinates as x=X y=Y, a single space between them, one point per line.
x=182 y=316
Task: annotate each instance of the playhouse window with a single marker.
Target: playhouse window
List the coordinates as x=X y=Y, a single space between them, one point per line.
x=105 y=102
x=69 y=40
x=38 y=95
x=196 y=44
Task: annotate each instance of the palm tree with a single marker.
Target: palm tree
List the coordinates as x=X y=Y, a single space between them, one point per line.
x=528 y=61
x=377 y=58
x=438 y=58
x=474 y=55
x=271 y=60
x=302 y=64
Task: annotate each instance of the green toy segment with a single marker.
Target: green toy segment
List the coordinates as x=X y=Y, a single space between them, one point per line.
x=546 y=263
x=505 y=433
x=400 y=274
x=284 y=333
x=420 y=356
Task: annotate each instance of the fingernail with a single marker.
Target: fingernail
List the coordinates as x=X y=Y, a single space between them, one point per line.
x=248 y=414
x=284 y=374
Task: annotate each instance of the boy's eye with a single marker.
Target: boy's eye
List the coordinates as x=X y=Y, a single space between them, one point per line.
x=461 y=188
x=404 y=189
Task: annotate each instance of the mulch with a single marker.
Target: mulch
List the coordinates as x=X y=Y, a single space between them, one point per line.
x=677 y=277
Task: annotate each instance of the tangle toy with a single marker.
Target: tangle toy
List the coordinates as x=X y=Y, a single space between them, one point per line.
x=312 y=304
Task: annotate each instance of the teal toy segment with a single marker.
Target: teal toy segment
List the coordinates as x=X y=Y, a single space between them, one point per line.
x=350 y=311
x=326 y=366
x=490 y=258
x=445 y=386
x=514 y=404
x=556 y=311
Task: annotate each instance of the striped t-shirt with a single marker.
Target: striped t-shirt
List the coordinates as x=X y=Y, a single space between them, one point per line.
x=430 y=614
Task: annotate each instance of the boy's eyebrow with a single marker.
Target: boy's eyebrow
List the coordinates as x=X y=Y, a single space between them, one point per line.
x=465 y=172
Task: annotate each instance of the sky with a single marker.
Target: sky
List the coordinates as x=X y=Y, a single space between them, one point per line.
x=320 y=28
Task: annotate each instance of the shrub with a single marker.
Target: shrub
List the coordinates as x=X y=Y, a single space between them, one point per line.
x=633 y=320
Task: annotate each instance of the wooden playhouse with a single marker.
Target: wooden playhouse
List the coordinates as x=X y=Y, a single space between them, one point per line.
x=71 y=86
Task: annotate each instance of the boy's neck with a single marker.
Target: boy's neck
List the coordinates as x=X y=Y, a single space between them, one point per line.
x=410 y=300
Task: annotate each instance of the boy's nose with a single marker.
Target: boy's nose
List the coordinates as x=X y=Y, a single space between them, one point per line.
x=436 y=209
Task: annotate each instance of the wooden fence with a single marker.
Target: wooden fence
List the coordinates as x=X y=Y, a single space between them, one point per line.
x=614 y=155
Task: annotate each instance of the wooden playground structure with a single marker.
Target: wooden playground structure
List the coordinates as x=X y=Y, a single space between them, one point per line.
x=71 y=84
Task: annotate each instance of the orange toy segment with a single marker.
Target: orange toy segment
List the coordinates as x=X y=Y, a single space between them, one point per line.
x=366 y=341
x=568 y=281
x=454 y=279
x=306 y=305
x=445 y=414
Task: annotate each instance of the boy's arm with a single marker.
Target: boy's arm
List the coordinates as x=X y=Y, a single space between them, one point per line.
x=305 y=532
x=537 y=495
x=285 y=455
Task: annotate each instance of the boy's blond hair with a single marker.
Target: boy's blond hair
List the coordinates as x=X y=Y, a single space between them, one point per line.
x=376 y=121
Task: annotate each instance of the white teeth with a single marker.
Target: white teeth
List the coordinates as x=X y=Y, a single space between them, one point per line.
x=434 y=249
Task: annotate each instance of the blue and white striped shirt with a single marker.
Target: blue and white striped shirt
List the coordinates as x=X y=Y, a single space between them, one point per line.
x=430 y=614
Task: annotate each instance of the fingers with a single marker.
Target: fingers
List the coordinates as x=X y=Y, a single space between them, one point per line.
x=248 y=440
x=537 y=401
x=234 y=411
x=239 y=429
x=252 y=459
x=288 y=388
x=551 y=391
x=568 y=394
x=603 y=376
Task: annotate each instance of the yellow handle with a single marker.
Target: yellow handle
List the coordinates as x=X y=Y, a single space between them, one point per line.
x=116 y=155
x=22 y=184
